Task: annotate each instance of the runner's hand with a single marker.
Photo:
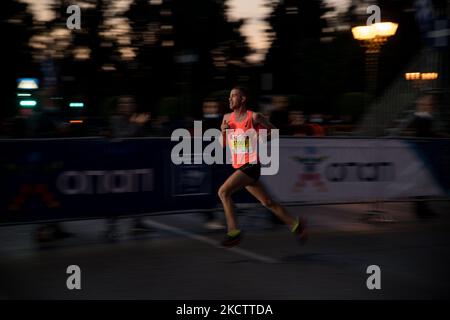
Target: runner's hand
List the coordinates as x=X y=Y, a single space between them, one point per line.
x=224 y=126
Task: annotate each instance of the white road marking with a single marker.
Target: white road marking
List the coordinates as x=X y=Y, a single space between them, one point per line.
x=207 y=240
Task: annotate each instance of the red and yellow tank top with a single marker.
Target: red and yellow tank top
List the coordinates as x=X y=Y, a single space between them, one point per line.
x=242 y=139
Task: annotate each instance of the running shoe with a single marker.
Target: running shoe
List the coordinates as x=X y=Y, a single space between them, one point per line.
x=300 y=231
x=232 y=239
x=51 y=232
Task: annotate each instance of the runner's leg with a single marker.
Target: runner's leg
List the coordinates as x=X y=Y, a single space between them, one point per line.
x=235 y=182
x=258 y=191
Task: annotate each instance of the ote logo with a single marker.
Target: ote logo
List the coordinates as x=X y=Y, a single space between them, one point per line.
x=310 y=173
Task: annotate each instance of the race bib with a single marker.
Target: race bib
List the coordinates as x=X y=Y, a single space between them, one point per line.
x=240 y=144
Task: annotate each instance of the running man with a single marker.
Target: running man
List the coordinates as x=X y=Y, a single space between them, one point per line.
x=248 y=169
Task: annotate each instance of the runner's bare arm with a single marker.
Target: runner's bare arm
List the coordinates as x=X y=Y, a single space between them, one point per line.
x=259 y=119
x=224 y=126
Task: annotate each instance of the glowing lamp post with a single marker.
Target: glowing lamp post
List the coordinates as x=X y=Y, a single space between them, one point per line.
x=372 y=38
x=377 y=31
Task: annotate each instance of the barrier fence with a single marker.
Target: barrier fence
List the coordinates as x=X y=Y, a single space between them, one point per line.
x=63 y=179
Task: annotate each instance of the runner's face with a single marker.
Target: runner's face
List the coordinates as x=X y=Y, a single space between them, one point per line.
x=235 y=99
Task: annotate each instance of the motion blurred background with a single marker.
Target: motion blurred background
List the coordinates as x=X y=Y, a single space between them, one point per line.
x=299 y=59
x=85 y=120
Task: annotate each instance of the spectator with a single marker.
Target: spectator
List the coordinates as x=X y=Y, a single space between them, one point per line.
x=299 y=127
x=212 y=119
x=127 y=123
x=279 y=117
x=296 y=123
x=48 y=123
x=422 y=124
x=315 y=127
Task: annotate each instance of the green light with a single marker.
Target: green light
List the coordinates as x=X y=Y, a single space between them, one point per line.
x=24 y=94
x=28 y=103
x=76 y=105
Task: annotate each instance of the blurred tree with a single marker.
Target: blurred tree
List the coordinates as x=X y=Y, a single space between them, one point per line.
x=305 y=60
x=296 y=52
x=90 y=69
x=16 y=25
x=185 y=48
x=404 y=46
x=350 y=106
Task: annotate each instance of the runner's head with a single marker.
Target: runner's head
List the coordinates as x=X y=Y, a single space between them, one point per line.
x=238 y=98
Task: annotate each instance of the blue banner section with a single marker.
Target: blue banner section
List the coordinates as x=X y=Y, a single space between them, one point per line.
x=435 y=153
x=70 y=179
x=88 y=178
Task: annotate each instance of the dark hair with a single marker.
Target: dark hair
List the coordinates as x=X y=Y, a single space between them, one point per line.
x=243 y=90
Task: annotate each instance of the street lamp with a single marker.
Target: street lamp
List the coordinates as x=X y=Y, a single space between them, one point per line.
x=373 y=37
x=375 y=33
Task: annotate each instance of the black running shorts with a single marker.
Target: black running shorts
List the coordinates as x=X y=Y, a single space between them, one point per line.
x=253 y=170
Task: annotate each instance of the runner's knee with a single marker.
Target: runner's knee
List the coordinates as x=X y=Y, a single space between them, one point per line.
x=223 y=192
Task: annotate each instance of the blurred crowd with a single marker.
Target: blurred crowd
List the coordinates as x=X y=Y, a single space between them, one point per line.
x=126 y=120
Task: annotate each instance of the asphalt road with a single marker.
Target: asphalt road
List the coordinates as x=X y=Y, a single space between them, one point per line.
x=182 y=260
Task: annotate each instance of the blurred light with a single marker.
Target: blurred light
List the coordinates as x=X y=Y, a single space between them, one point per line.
x=14 y=21
x=27 y=83
x=82 y=53
x=166 y=12
x=382 y=29
x=108 y=67
x=429 y=76
x=76 y=105
x=412 y=75
x=326 y=39
x=168 y=43
x=127 y=53
x=363 y=33
x=421 y=76
x=24 y=94
x=291 y=10
x=156 y=2
x=75 y=121
x=385 y=29
x=28 y=103
x=85 y=5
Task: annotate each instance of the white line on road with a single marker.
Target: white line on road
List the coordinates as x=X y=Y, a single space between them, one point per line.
x=207 y=240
